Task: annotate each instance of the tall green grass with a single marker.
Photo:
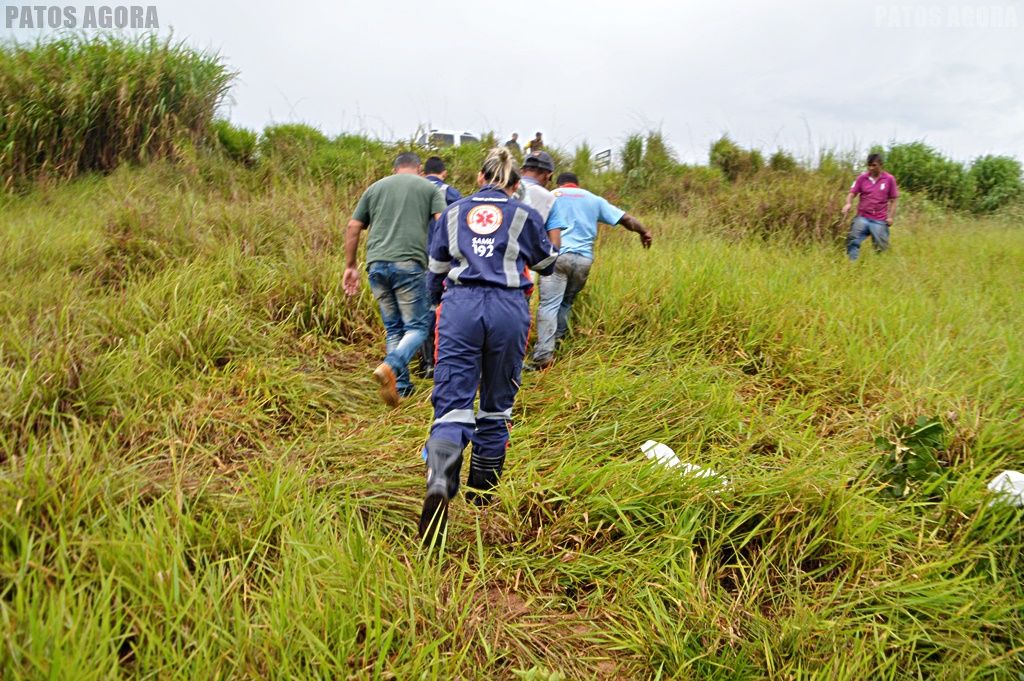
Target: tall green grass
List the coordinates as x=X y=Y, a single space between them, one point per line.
x=77 y=104
x=198 y=481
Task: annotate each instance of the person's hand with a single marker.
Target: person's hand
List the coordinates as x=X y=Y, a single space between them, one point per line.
x=350 y=281
x=846 y=209
x=646 y=238
x=889 y=221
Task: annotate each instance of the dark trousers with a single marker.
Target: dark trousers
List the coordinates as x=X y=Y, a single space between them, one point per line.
x=481 y=344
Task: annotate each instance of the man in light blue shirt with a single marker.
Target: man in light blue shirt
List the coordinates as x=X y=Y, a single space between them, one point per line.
x=580 y=211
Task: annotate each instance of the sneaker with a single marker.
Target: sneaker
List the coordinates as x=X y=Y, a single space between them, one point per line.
x=385 y=378
x=534 y=365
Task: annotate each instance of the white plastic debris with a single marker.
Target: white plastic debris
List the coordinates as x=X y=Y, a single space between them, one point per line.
x=663 y=454
x=1009 y=487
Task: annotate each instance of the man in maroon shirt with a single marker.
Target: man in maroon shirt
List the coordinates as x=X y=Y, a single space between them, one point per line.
x=876 y=209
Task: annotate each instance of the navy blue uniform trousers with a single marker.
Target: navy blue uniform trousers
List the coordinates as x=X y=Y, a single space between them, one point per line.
x=481 y=343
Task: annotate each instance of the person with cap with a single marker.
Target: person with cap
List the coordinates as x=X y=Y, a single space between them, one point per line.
x=397 y=211
x=479 y=249
x=435 y=171
x=538 y=167
x=582 y=211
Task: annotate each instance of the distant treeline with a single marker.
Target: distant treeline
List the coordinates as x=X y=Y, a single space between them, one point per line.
x=74 y=105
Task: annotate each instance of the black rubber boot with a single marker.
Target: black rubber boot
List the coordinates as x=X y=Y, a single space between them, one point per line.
x=426 y=351
x=484 y=473
x=425 y=360
x=444 y=461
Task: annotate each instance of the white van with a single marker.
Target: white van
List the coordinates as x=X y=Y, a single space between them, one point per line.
x=446 y=138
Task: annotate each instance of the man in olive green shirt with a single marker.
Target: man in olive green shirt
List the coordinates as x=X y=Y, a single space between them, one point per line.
x=397 y=211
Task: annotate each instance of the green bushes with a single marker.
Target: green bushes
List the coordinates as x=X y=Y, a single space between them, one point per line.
x=802 y=210
x=837 y=166
x=349 y=160
x=583 y=162
x=996 y=181
x=658 y=156
x=632 y=153
x=77 y=104
x=298 y=150
x=652 y=178
x=990 y=183
x=290 y=144
x=919 y=168
x=783 y=162
x=238 y=143
x=733 y=160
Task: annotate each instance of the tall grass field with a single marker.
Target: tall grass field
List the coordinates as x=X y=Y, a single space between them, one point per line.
x=76 y=104
x=197 y=480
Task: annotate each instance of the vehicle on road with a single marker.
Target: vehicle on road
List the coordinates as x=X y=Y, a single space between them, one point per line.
x=446 y=138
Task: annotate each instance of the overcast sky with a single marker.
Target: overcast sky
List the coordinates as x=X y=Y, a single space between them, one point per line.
x=802 y=75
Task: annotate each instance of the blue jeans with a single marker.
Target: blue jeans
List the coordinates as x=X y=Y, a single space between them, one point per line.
x=427 y=349
x=402 y=297
x=861 y=229
x=557 y=293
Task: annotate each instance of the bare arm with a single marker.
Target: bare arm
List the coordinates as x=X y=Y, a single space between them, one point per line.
x=555 y=237
x=849 y=203
x=350 y=280
x=634 y=225
x=892 y=211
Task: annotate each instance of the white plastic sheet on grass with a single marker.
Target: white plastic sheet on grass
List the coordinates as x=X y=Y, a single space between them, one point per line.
x=663 y=454
x=1008 y=487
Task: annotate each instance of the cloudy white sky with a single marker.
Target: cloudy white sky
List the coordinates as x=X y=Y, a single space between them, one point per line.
x=802 y=75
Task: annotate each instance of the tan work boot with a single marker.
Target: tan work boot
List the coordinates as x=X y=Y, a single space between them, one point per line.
x=385 y=378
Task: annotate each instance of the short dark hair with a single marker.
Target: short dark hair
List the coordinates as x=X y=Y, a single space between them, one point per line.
x=433 y=166
x=567 y=178
x=538 y=133
x=874 y=157
x=406 y=160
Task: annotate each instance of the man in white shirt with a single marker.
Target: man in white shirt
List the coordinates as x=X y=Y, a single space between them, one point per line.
x=536 y=173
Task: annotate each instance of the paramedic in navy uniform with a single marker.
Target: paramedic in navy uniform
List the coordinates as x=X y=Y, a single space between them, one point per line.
x=479 y=249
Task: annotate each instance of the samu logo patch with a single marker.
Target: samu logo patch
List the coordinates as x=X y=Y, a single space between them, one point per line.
x=484 y=219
